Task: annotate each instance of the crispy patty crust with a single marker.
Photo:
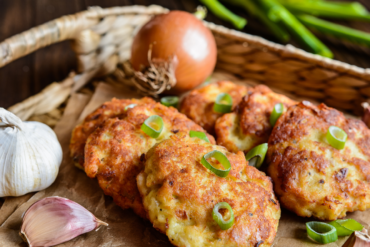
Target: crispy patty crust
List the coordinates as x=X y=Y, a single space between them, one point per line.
x=249 y=126
x=198 y=104
x=311 y=177
x=111 y=109
x=179 y=194
x=115 y=152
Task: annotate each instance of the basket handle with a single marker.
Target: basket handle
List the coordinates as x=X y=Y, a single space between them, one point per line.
x=66 y=27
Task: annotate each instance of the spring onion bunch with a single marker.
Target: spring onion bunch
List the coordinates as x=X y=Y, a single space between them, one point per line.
x=297 y=18
x=223 y=13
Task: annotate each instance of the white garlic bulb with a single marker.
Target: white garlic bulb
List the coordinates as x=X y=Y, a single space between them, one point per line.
x=30 y=155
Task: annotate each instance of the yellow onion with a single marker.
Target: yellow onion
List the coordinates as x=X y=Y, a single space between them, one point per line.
x=173 y=50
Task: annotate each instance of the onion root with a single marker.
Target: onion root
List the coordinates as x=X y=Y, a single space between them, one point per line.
x=158 y=76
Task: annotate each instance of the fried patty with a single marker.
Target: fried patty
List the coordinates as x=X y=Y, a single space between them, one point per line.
x=111 y=109
x=250 y=125
x=311 y=177
x=179 y=194
x=115 y=152
x=198 y=104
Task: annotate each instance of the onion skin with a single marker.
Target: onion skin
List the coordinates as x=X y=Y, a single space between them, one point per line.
x=182 y=35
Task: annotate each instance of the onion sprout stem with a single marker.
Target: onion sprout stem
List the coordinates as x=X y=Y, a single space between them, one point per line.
x=223 y=13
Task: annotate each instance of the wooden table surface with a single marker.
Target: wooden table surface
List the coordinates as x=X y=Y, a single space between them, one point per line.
x=29 y=75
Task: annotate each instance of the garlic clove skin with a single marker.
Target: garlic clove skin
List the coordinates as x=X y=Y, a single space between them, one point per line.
x=358 y=239
x=54 y=220
x=30 y=155
x=366 y=114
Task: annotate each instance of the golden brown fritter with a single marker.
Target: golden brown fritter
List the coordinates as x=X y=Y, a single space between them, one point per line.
x=111 y=109
x=311 y=177
x=115 y=151
x=198 y=104
x=249 y=126
x=179 y=194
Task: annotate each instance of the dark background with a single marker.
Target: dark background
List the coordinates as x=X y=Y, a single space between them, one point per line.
x=29 y=75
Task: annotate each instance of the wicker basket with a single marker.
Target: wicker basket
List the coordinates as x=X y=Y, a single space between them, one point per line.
x=101 y=39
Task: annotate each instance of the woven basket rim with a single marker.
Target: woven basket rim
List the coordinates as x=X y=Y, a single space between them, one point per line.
x=292 y=51
x=69 y=27
x=283 y=50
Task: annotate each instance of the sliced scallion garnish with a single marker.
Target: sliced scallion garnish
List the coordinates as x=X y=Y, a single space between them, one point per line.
x=223 y=103
x=220 y=157
x=129 y=106
x=199 y=134
x=276 y=113
x=224 y=225
x=321 y=232
x=336 y=137
x=346 y=227
x=256 y=156
x=153 y=126
x=170 y=101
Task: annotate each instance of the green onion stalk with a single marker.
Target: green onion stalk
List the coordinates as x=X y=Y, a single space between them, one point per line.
x=199 y=134
x=336 y=137
x=220 y=157
x=153 y=126
x=251 y=7
x=223 y=103
x=278 y=13
x=346 y=227
x=335 y=30
x=256 y=155
x=223 y=13
x=277 y=111
x=217 y=217
x=328 y=9
x=321 y=232
x=170 y=101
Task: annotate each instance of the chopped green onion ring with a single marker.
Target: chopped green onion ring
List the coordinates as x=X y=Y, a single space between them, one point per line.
x=224 y=225
x=170 y=101
x=199 y=134
x=336 y=137
x=346 y=227
x=321 y=232
x=207 y=81
x=223 y=103
x=220 y=157
x=130 y=106
x=256 y=156
x=276 y=113
x=153 y=126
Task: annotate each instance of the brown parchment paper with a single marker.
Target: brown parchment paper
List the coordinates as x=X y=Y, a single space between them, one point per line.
x=125 y=228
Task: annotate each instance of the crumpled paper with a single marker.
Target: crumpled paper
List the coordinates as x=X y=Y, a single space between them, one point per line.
x=125 y=228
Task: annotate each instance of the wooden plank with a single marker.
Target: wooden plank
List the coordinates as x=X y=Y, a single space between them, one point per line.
x=53 y=63
x=15 y=78
x=108 y=3
x=172 y=5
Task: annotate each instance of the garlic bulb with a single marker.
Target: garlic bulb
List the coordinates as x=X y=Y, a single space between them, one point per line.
x=54 y=220
x=30 y=155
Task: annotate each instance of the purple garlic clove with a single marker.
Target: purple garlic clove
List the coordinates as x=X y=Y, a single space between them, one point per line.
x=358 y=239
x=366 y=114
x=54 y=220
